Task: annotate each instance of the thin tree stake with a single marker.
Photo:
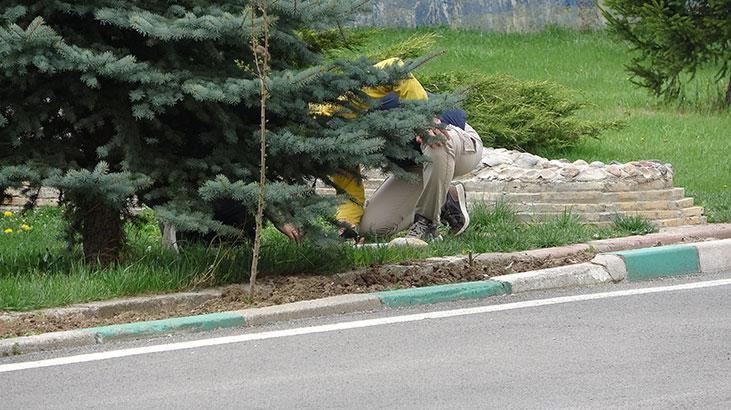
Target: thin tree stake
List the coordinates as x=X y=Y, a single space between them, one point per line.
x=261 y=59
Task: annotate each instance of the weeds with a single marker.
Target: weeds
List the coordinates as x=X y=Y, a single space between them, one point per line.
x=633 y=225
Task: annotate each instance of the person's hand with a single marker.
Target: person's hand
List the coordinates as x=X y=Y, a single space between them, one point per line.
x=433 y=132
x=291 y=231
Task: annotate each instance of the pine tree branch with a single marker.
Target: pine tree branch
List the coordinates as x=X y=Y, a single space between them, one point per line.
x=428 y=58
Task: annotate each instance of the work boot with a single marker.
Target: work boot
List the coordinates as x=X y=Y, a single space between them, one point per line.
x=347 y=230
x=454 y=211
x=423 y=229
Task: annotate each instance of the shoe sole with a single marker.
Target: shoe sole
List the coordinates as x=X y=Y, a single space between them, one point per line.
x=462 y=198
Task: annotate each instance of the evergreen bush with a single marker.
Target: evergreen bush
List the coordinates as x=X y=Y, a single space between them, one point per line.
x=352 y=43
x=111 y=101
x=516 y=114
x=672 y=37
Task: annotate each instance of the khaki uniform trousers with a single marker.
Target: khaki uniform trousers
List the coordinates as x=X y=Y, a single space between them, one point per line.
x=393 y=205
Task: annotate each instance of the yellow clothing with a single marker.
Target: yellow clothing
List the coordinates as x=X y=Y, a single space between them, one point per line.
x=408 y=89
x=352 y=209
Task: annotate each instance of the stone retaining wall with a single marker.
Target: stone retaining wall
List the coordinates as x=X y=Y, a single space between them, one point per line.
x=46 y=196
x=488 y=15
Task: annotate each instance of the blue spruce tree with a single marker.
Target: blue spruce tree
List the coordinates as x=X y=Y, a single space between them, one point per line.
x=157 y=102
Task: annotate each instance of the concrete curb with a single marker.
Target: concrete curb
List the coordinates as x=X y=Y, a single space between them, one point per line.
x=442 y=293
x=141 y=304
x=46 y=341
x=311 y=308
x=640 y=264
x=156 y=327
x=247 y=317
x=714 y=256
x=650 y=263
x=579 y=275
x=670 y=236
x=165 y=303
x=633 y=265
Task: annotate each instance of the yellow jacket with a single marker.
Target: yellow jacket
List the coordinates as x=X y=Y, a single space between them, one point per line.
x=408 y=89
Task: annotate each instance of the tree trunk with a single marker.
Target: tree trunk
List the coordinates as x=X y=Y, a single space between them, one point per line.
x=728 y=93
x=102 y=233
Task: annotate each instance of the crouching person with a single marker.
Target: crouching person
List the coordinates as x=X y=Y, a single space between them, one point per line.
x=420 y=205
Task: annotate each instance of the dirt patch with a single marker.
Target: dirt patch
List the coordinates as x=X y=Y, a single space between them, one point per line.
x=279 y=290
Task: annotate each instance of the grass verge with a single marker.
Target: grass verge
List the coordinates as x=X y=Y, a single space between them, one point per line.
x=36 y=269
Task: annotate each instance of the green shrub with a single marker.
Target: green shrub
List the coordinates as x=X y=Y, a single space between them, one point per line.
x=351 y=44
x=334 y=41
x=415 y=46
x=516 y=114
x=505 y=111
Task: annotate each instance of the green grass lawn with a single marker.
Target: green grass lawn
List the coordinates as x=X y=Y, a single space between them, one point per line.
x=695 y=136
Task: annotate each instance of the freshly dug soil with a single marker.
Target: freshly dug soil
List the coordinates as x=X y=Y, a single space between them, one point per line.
x=280 y=290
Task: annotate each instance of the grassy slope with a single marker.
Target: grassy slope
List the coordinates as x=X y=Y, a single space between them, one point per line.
x=696 y=140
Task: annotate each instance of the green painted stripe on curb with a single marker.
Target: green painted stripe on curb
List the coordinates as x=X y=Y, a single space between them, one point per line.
x=195 y=323
x=650 y=263
x=442 y=293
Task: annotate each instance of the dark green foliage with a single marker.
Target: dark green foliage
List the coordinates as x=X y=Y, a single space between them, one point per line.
x=334 y=40
x=414 y=46
x=515 y=114
x=156 y=92
x=672 y=37
x=95 y=199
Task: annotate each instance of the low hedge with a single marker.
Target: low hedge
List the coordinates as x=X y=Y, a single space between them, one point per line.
x=517 y=114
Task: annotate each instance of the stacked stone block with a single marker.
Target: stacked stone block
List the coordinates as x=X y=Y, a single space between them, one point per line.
x=17 y=200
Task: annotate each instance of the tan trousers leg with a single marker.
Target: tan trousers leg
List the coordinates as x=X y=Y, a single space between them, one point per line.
x=393 y=205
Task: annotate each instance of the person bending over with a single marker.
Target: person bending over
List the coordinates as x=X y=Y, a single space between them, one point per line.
x=421 y=204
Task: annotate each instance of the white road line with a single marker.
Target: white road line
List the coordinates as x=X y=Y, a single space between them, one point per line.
x=351 y=325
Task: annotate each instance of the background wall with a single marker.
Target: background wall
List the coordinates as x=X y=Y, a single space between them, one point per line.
x=488 y=15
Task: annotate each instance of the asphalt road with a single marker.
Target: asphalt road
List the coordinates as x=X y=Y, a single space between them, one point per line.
x=661 y=350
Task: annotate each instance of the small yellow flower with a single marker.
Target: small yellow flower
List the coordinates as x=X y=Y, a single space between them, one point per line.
x=7 y=214
x=25 y=227
x=8 y=230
